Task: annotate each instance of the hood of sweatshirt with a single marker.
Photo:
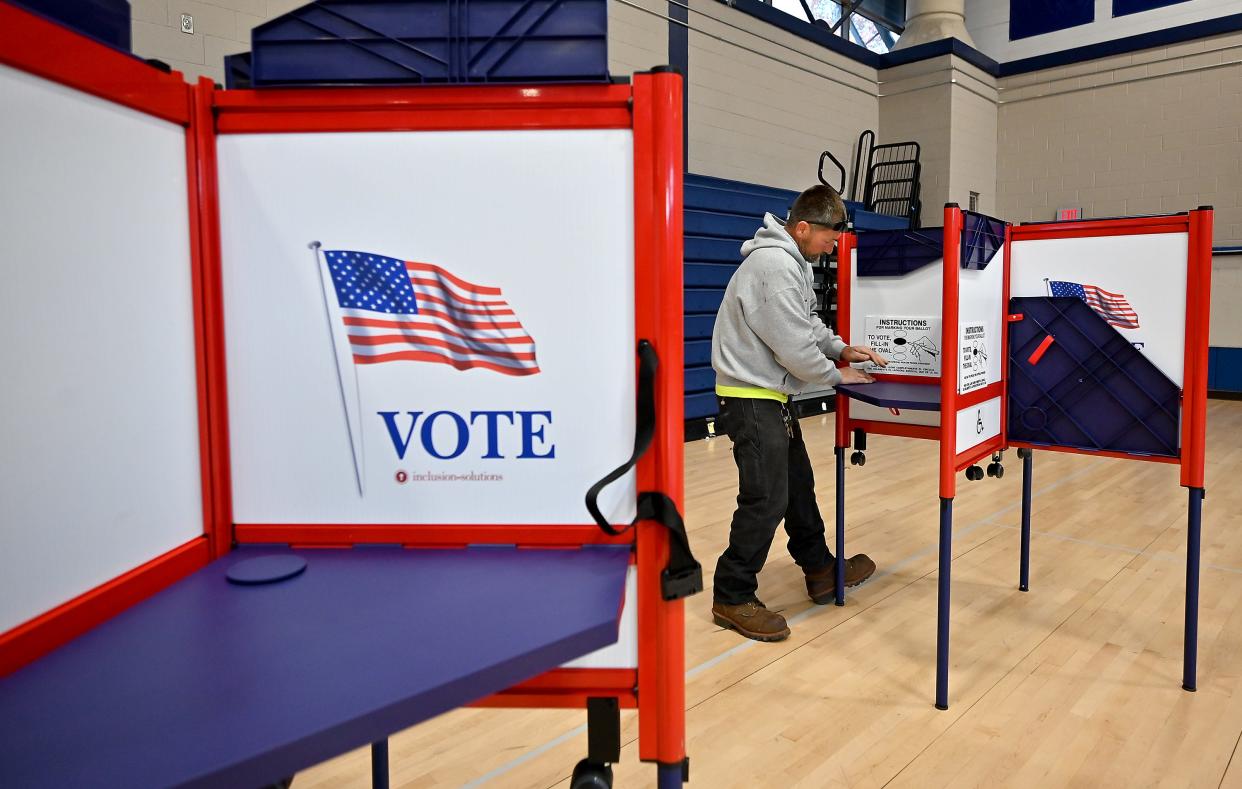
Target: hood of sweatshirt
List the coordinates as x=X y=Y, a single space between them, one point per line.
x=773 y=234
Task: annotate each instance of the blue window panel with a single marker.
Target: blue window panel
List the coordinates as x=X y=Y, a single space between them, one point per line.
x=1124 y=7
x=891 y=12
x=1228 y=376
x=1035 y=17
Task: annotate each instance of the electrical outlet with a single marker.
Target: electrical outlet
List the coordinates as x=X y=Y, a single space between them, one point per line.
x=187 y=23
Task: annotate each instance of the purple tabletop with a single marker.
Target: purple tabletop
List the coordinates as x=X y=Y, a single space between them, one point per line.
x=212 y=683
x=890 y=394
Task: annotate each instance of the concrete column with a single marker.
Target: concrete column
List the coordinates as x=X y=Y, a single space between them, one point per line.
x=932 y=20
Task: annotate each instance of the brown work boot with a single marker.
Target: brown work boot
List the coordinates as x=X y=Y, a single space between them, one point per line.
x=821 y=584
x=752 y=620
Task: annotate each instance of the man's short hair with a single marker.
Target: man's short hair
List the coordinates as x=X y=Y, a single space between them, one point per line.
x=820 y=204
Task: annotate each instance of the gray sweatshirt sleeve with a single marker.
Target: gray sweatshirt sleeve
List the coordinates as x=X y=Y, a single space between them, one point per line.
x=781 y=322
x=831 y=344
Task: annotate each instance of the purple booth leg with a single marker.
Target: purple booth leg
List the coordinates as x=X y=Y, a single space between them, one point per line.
x=379 y=765
x=1194 y=522
x=840 y=579
x=1024 y=569
x=669 y=776
x=942 y=605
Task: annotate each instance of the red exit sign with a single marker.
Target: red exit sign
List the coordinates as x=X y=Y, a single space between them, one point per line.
x=1066 y=214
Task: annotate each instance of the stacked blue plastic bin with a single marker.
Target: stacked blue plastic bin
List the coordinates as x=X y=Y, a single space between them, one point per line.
x=106 y=21
x=377 y=42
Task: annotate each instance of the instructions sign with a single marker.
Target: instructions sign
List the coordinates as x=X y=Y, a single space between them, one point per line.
x=910 y=343
x=972 y=369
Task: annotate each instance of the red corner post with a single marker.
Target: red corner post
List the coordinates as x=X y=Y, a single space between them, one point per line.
x=948 y=349
x=1194 y=385
x=845 y=265
x=205 y=193
x=658 y=286
x=1004 y=324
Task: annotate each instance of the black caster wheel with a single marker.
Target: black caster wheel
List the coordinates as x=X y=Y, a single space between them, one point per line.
x=1023 y=453
x=589 y=775
x=1000 y=471
x=992 y=469
x=858 y=459
x=974 y=473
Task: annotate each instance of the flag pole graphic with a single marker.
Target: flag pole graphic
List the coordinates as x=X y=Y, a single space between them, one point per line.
x=346 y=370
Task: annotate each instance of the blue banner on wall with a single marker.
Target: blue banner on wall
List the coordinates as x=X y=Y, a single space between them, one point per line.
x=1035 y=17
x=1123 y=7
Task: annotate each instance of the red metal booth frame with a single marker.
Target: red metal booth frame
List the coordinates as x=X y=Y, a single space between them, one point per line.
x=1197 y=224
x=651 y=107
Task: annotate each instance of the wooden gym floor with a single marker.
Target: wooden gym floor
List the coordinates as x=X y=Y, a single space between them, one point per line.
x=1075 y=683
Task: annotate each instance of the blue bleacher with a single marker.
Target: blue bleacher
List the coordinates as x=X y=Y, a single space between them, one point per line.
x=719 y=215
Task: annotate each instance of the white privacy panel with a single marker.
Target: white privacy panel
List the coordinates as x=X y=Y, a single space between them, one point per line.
x=512 y=332
x=99 y=430
x=1142 y=276
x=911 y=304
x=977 y=423
x=981 y=322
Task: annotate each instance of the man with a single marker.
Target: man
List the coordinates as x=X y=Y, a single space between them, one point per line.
x=768 y=343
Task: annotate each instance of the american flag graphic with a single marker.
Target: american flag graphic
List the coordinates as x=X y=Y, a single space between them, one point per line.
x=1112 y=307
x=397 y=310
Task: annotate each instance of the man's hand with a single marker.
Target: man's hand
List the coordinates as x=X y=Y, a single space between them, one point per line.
x=862 y=353
x=851 y=376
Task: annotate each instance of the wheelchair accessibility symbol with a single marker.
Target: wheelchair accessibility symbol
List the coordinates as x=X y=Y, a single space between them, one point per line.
x=978 y=423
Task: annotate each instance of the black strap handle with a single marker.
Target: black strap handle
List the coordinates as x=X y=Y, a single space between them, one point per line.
x=684 y=575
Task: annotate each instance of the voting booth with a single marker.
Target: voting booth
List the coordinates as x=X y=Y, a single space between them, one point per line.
x=310 y=407
x=1086 y=337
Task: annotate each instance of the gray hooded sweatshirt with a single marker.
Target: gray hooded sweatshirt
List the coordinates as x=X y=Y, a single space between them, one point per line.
x=767 y=335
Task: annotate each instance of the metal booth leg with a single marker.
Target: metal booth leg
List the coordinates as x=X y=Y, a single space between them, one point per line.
x=1024 y=570
x=603 y=744
x=942 y=605
x=1194 y=523
x=840 y=572
x=671 y=776
x=379 y=764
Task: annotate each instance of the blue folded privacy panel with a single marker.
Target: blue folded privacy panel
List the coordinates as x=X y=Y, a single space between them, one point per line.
x=1087 y=387
x=895 y=253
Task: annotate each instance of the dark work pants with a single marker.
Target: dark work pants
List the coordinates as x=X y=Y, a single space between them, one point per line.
x=775 y=481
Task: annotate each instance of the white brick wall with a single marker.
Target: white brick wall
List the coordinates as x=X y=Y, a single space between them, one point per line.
x=1225 y=327
x=924 y=114
x=221 y=27
x=949 y=108
x=637 y=37
x=764 y=103
x=1129 y=135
